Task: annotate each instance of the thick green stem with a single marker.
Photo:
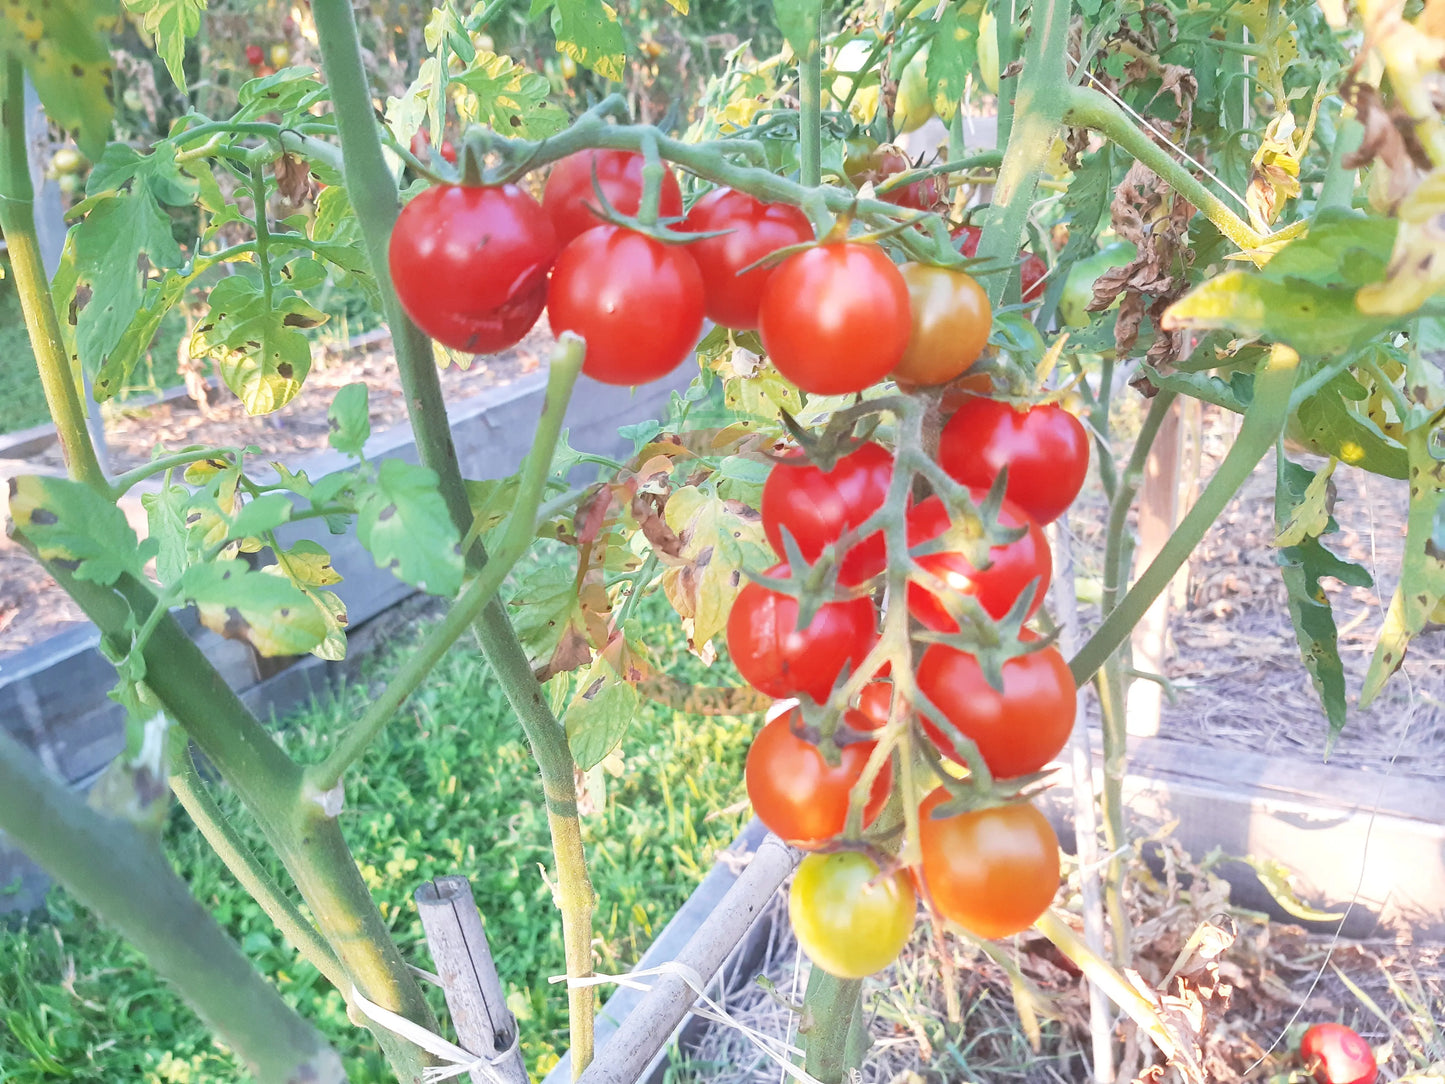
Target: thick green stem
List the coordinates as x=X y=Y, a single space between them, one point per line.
x=1090 y=109
x=1263 y=421
x=833 y=1008
x=249 y=873
x=124 y=877
x=1338 y=189
x=17 y=224
x=810 y=113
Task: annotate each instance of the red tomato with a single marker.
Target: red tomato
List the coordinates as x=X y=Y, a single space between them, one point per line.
x=993 y=871
x=879 y=164
x=1045 y=448
x=470 y=264
x=421 y=144
x=758 y=229
x=782 y=660
x=1013 y=566
x=449 y=152
x=569 y=196
x=798 y=794
x=849 y=919
x=1017 y=731
x=255 y=56
x=817 y=506
x=1032 y=271
x=637 y=302
x=875 y=704
x=835 y=318
x=1335 y=1054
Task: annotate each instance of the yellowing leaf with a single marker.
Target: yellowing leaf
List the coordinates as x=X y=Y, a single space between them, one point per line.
x=719 y=539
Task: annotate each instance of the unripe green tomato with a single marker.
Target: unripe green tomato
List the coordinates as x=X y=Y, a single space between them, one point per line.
x=988 y=51
x=67 y=160
x=69 y=183
x=913 y=106
x=1079 y=286
x=484 y=43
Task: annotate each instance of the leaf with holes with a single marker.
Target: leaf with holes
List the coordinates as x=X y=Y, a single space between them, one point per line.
x=262 y=355
x=403 y=522
x=508 y=98
x=64 y=46
x=719 y=539
x=269 y=612
x=73 y=526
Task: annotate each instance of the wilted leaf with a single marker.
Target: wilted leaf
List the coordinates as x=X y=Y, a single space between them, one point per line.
x=1275 y=877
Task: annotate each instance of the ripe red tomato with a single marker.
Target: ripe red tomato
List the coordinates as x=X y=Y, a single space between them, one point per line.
x=850 y=920
x=951 y=322
x=817 y=506
x=1335 y=1054
x=877 y=164
x=758 y=229
x=569 y=197
x=637 y=302
x=782 y=660
x=1017 y=731
x=835 y=318
x=255 y=56
x=1032 y=271
x=1045 y=448
x=993 y=871
x=875 y=703
x=1014 y=565
x=449 y=152
x=470 y=264
x=798 y=794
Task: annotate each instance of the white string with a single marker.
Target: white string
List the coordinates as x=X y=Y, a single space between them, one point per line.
x=778 y=1050
x=459 y=1061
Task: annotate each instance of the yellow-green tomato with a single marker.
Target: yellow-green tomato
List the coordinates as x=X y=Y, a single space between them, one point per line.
x=988 y=51
x=913 y=107
x=67 y=160
x=951 y=322
x=850 y=920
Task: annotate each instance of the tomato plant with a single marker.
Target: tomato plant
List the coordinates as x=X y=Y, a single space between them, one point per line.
x=1335 y=1054
x=1017 y=730
x=951 y=323
x=777 y=657
x=835 y=319
x=1044 y=447
x=637 y=302
x=570 y=195
x=1012 y=567
x=754 y=230
x=816 y=507
x=993 y=871
x=851 y=919
x=1032 y=269
x=797 y=793
x=470 y=264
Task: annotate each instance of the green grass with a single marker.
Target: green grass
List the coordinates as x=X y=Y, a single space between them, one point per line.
x=449 y=788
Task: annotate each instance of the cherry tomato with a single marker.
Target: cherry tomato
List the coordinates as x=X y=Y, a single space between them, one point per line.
x=850 y=920
x=449 y=152
x=1335 y=1054
x=951 y=322
x=1032 y=271
x=758 y=229
x=421 y=144
x=637 y=302
x=569 y=67
x=265 y=71
x=67 y=160
x=470 y=264
x=993 y=871
x=798 y=794
x=280 y=55
x=835 y=318
x=1013 y=566
x=1018 y=730
x=782 y=660
x=569 y=197
x=875 y=704
x=255 y=56
x=1045 y=448
x=817 y=506
x=869 y=163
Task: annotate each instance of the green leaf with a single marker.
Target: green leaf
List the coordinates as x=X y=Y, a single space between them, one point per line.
x=291 y=92
x=307 y=563
x=74 y=526
x=1342 y=248
x=172 y=22
x=349 y=420
x=261 y=514
x=798 y=20
x=161 y=296
x=166 y=523
x=1327 y=424
x=262 y=356
x=64 y=46
x=403 y=522
x=1422 y=570
x=588 y=32
x=952 y=55
x=508 y=98
x=598 y=717
x=267 y=611
x=1302 y=516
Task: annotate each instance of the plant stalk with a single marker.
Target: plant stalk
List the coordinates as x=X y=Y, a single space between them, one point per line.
x=810 y=111
x=833 y=1008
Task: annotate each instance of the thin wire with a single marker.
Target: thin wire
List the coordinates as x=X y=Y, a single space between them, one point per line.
x=1180 y=151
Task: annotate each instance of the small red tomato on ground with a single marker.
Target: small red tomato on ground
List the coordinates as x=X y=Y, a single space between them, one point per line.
x=835 y=319
x=849 y=918
x=1335 y=1054
x=816 y=506
x=1013 y=566
x=798 y=794
x=1045 y=448
x=757 y=230
x=568 y=196
x=951 y=323
x=777 y=657
x=993 y=871
x=637 y=302
x=1018 y=730
x=470 y=264
x=255 y=56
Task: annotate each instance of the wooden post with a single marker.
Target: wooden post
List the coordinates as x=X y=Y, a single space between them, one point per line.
x=463 y=959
